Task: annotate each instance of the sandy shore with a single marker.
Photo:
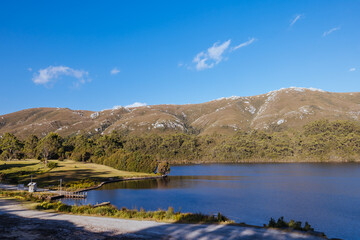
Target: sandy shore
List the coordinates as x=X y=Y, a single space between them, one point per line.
x=18 y=222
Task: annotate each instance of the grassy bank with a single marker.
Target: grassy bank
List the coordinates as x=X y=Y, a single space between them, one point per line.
x=111 y=211
x=75 y=175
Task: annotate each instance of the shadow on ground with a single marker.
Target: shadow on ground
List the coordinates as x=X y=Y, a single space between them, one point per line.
x=16 y=227
x=10 y=165
x=13 y=226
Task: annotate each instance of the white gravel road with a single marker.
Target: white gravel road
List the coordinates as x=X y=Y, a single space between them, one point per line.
x=18 y=222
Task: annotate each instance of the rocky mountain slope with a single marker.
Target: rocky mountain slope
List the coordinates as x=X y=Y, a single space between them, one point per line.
x=289 y=107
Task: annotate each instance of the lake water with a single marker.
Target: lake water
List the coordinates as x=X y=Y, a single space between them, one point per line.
x=325 y=195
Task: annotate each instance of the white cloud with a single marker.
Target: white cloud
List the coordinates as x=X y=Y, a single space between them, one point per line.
x=295 y=19
x=114 y=71
x=136 y=104
x=215 y=54
x=29 y=69
x=247 y=43
x=331 y=31
x=50 y=74
x=211 y=57
x=352 y=69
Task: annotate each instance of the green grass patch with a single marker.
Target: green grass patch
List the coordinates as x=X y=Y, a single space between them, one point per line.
x=75 y=175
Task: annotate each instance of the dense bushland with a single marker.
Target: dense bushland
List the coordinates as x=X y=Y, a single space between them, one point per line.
x=318 y=141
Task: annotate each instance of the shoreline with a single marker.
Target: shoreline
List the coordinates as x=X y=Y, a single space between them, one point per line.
x=109 y=181
x=264 y=161
x=140 y=229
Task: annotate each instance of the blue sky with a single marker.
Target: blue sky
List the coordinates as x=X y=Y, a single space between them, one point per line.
x=94 y=55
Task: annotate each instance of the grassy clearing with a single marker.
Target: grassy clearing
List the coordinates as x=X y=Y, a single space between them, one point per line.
x=72 y=173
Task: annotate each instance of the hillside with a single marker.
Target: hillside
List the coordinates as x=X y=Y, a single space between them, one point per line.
x=280 y=109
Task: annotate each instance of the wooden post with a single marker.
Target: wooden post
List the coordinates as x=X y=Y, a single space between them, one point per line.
x=60 y=185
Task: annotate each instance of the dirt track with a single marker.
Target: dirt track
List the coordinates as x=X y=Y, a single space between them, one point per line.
x=18 y=222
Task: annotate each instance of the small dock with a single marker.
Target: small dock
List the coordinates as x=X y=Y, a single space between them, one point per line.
x=64 y=194
x=74 y=194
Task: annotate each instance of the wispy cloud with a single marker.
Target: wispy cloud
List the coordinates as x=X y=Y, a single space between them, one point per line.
x=247 y=43
x=211 y=57
x=136 y=104
x=331 y=31
x=50 y=74
x=29 y=69
x=215 y=54
x=295 y=19
x=352 y=69
x=114 y=71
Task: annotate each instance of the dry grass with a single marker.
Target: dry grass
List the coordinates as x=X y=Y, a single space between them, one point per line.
x=67 y=170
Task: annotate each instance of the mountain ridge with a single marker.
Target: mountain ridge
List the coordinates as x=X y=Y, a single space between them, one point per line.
x=284 y=108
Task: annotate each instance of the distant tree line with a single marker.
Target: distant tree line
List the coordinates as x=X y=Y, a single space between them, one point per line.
x=320 y=140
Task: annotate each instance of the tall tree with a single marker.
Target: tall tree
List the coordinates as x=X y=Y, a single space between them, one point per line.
x=31 y=143
x=82 y=149
x=10 y=146
x=50 y=147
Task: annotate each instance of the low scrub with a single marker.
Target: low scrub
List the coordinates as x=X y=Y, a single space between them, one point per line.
x=111 y=211
x=52 y=165
x=81 y=184
x=295 y=225
x=26 y=196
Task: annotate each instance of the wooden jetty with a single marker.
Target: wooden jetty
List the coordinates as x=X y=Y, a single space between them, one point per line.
x=74 y=194
x=64 y=194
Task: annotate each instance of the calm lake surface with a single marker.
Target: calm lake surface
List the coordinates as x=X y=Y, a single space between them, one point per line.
x=325 y=195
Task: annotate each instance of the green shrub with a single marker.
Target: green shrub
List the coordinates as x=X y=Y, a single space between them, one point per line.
x=163 y=168
x=63 y=208
x=52 y=165
x=296 y=225
x=81 y=184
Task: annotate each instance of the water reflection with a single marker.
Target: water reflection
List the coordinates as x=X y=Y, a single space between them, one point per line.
x=169 y=182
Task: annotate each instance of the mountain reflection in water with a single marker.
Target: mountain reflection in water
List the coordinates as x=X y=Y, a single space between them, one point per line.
x=172 y=182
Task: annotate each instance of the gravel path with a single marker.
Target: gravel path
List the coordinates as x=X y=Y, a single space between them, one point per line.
x=18 y=222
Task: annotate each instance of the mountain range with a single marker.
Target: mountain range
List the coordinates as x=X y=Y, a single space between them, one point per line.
x=285 y=108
